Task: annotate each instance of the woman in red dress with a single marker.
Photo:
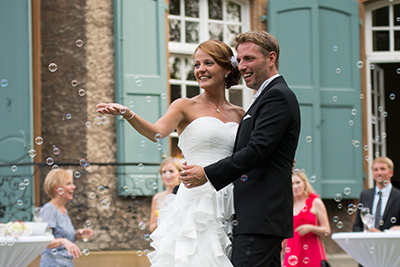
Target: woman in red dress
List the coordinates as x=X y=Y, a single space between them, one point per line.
x=310 y=221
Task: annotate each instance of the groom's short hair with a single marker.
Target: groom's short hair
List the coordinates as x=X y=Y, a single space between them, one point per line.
x=266 y=41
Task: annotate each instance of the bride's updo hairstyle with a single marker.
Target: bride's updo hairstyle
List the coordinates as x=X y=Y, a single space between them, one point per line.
x=223 y=55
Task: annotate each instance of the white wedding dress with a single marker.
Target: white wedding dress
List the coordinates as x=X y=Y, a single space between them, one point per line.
x=195 y=224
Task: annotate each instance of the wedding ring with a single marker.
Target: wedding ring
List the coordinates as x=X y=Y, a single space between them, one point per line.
x=183 y=173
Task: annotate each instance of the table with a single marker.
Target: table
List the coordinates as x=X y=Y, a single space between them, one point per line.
x=21 y=251
x=371 y=249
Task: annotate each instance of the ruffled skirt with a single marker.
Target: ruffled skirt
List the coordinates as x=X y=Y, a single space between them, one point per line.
x=194 y=228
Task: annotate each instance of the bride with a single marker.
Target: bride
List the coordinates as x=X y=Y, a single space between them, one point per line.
x=194 y=225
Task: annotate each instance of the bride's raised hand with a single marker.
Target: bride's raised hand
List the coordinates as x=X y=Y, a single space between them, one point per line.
x=112 y=109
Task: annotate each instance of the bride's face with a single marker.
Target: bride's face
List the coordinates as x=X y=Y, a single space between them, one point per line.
x=207 y=72
x=170 y=175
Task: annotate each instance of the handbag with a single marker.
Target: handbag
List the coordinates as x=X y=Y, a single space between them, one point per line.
x=324 y=263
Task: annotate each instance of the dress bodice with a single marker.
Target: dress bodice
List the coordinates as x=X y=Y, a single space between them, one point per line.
x=206 y=140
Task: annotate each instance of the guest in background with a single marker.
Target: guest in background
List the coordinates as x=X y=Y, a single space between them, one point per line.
x=310 y=221
x=59 y=186
x=169 y=171
x=383 y=200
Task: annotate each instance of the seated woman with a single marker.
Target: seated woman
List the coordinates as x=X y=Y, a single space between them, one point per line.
x=310 y=222
x=59 y=186
x=169 y=171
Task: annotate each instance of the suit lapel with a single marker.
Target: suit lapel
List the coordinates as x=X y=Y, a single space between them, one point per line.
x=388 y=205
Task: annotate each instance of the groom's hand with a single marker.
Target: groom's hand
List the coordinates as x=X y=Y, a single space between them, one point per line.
x=192 y=175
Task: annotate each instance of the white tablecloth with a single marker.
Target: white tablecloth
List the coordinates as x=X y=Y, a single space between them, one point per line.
x=21 y=251
x=371 y=249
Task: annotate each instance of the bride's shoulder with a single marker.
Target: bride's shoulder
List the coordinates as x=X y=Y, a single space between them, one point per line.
x=184 y=102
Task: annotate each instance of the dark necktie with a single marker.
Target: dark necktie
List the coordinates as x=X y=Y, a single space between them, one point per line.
x=378 y=211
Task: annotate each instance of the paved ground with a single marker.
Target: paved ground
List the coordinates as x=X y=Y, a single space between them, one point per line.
x=341 y=260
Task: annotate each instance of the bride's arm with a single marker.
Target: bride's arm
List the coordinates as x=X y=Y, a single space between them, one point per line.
x=164 y=126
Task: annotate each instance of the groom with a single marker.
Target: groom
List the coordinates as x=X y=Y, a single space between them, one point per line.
x=261 y=165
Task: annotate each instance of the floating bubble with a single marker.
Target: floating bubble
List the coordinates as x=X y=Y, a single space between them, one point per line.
x=147 y=237
x=163 y=96
x=287 y=250
x=138 y=82
x=32 y=153
x=55 y=167
x=335 y=48
x=385 y=114
x=39 y=140
x=14 y=168
x=360 y=206
x=340 y=206
x=131 y=104
x=398 y=70
x=392 y=96
x=339 y=224
x=143 y=143
x=139 y=253
x=393 y=220
x=53 y=67
x=87 y=166
x=141 y=225
x=309 y=139
x=361 y=96
x=22 y=186
x=97 y=120
x=337 y=197
x=77 y=174
x=104 y=120
x=356 y=143
x=88 y=222
x=92 y=195
x=360 y=64
x=354 y=111
x=292 y=260
x=105 y=203
x=146 y=251
x=244 y=178
x=371 y=250
x=377 y=154
x=381 y=223
x=86 y=252
x=74 y=83
x=154 y=185
x=3 y=83
x=101 y=190
x=148 y=99
x=335 y=219
x=125 y=188
x=79 y=43
x=306 y=260
x=347 y=191
x=157 y=137
x=372 y=67
x=140 y=166
x=82 y=162
x=88 y=124
x=304 y=208
x=56 y=150
x=122 y=110
x=26 y=181
x=49 y=161
x=305 y=246
x=377 y=137
x=366 y=147
x=53 y=252
x=81 y=92
x=338 y=70
x=68 y=116
x=335 y=98
x=313 y=178
x=60 y=190
x=350 y=211
x=351 y=122
x=235 y=223
x=159 y=146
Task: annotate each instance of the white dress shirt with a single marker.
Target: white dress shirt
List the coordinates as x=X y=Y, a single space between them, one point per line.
x=263 y=85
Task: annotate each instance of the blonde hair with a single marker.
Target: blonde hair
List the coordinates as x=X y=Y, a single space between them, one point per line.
x=222 y=54
x=386 y=160
x=266 y=41
x=308 y=187
x=55 y=178
x=175 y=161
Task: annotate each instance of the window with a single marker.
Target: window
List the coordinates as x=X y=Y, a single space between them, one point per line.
x=192 y=22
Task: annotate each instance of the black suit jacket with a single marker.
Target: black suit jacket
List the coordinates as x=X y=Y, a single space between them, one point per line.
x=263 y=155
x=392 y=209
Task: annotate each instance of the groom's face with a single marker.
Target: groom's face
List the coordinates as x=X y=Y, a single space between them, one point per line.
x=254 y=66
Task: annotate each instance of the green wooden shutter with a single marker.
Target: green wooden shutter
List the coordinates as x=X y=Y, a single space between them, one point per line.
x=141 y=83
x=319 y=42
x=15 y=109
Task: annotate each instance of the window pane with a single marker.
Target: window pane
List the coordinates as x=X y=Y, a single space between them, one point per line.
x=192 y=8
x=192 y=32
x=174 y=30
x=215 y=31
x=233 y=12
x=175 y=92
x=174 y=7
x=233 y=30
x=189 y=63
x=397 y=40
x=235 y=97
x=215 y=9
x=381 y=40
x=175 y=64
x=192 y=91
x=396 y=15
x=380 y=17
